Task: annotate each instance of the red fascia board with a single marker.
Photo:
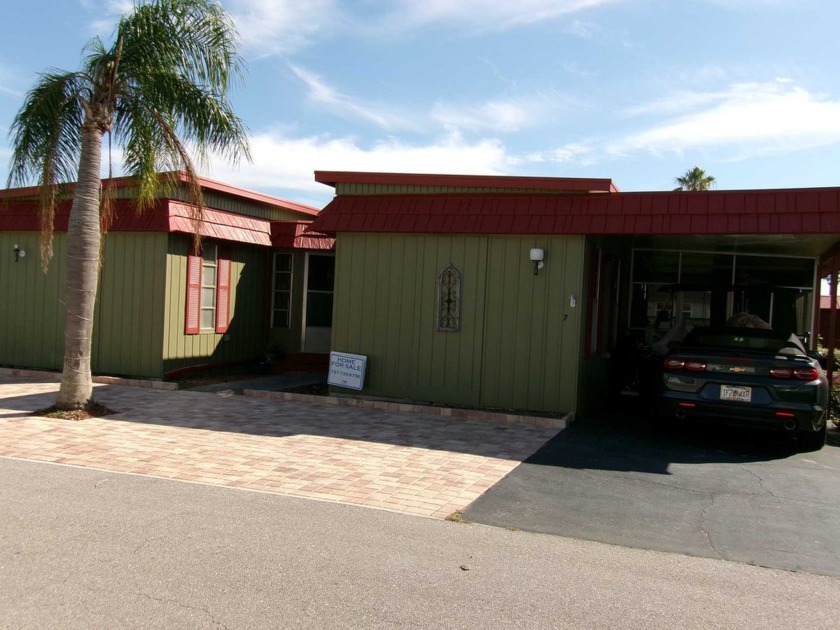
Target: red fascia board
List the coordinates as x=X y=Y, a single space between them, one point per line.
x=714 y=212
x=568 y=184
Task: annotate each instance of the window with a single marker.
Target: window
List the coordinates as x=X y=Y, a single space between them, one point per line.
x=320 y=283
x=281 y=305
x=208 y=292
x=208 y=287
x=449 y=300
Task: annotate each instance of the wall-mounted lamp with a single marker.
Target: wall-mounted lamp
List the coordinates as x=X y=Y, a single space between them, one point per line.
x=537 y=257
x=19 y=253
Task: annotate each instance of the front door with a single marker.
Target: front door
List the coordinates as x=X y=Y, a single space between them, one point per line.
x=318 y=302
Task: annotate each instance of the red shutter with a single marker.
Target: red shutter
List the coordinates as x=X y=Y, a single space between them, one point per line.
x=223 y=296
x=193 y=318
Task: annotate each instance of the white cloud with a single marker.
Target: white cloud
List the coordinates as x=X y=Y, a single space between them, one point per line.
x=10 y=83
x=272 y=27
x=574 y=153
x=348 y=107
x=747 y=119
x=108 y=16
x=286 y=163
x=281 y=27
x=498 y=115
x=491 y=14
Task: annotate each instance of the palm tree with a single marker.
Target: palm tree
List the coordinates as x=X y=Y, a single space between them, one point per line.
x=161 y=84
x=695 y=179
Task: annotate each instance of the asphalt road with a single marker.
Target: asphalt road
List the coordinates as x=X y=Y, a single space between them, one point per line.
x=742 y=496
x=82 y=548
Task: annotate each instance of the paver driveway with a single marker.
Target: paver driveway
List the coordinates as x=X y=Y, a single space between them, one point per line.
x=405 y=462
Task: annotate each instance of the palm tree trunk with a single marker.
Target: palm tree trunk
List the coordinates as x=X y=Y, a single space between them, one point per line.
x=82 y=269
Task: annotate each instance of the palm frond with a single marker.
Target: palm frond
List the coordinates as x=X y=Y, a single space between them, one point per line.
x=46 y=136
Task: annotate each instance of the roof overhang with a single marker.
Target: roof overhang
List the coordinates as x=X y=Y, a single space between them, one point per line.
x=296 y=235
x=32 y=192
x=502 y=182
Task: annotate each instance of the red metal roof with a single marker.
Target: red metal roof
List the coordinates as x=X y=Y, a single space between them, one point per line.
x=163 y=216
x=825 y=302
x=295 y=235
x=791 y=211
x=221 y=225
x=207 y=184
x=565 y=184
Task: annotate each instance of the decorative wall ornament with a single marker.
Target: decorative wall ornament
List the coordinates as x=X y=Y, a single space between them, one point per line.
x=449 y=300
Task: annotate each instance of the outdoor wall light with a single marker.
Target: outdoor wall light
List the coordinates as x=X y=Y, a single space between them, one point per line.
x=537 y=257
x=19 y=253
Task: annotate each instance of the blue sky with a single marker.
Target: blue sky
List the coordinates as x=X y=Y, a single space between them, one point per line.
x=635 y=90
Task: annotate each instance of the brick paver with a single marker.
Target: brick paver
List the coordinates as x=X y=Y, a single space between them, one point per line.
x=406 y=462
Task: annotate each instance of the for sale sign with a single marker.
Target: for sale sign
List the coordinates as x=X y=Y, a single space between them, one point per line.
x=347 y=370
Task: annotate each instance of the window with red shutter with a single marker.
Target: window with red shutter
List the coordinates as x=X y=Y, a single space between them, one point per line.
x=193 y=314
x=223 y=296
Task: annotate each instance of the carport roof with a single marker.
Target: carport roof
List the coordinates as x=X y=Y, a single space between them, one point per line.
x=782 y=211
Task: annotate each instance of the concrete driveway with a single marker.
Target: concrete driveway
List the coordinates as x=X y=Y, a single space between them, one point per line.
x=741 y=496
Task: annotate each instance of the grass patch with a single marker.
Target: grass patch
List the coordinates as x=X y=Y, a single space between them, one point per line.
x=91 y=410
x=457 y=517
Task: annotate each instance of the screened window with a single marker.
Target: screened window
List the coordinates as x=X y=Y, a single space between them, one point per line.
x=672 y=287
x=209 y=279
x=281 y=310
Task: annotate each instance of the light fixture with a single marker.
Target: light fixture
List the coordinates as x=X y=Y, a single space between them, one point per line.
x=19 y=253
x=537 y=257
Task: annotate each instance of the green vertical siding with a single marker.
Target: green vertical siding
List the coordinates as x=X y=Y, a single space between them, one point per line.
x=532 y=343
x=32 y=317
x=246 y=337
x=519 y=342
x=129 y=307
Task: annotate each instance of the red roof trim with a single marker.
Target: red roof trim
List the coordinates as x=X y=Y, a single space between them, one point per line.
x=795 y=211
x=567 y=184
x=296 y=235
x=220 y=225
x=207 y=184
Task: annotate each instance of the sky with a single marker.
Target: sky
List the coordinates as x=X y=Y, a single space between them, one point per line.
x=638 y=91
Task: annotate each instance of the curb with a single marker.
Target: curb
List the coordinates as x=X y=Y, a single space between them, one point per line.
x=102 y=380
x=447 y=412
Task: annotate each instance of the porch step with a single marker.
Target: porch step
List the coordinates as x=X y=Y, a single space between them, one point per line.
x=302 y=362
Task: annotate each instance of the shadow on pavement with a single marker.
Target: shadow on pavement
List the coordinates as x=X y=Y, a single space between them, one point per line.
x=627 y=442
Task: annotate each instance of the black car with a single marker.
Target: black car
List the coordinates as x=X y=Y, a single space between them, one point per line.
x=746 y=376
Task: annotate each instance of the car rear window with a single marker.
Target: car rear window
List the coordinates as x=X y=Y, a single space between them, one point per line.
x=744 y=339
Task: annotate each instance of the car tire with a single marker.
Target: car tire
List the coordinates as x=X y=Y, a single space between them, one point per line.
x=809 y=441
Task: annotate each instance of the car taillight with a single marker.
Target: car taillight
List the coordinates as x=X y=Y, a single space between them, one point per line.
x=679 y=364
x=781 y=372
x=806 y=374
x=803 y=374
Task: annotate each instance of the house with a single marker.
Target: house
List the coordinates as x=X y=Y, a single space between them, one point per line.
x=514 y=292
x=258 y=284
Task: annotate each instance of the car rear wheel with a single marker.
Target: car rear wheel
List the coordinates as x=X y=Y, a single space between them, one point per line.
x=811 y=440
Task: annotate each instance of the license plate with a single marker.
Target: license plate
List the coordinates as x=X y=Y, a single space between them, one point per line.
x=733 y=392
